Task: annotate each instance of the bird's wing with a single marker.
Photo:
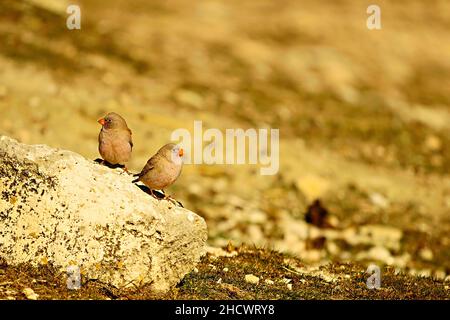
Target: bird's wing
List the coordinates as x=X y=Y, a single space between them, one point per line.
x=150 y=165
x=129 y=139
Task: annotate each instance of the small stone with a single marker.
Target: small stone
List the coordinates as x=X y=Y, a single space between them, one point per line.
x=219 y=281
x=332 y=248
x=412 y=272
x=425 y=273
x=426 y=254
x=433 y=143
x=289 y=286
x=250 y=278
x=285 y=280
x=376 y=253
x=30 y=294
x=268 y=281
x=328 y=277
x=225 y=269
x=379 y=200
x=195 y=270
x=375 y=235
x=439 y=274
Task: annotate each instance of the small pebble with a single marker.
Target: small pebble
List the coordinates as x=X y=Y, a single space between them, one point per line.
x=379 y=200
x=433 y=143
x=250 y=278
x=426 y=254
x=285 y=280
x=30 y=294
x=268 y=281
x=425 y=273
x=440 y=274
x=225 y=269
x=289 y=286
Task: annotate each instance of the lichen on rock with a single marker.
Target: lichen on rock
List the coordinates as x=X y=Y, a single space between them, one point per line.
x=58 y=208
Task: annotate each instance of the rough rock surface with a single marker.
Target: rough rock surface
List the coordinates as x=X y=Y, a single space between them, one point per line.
x=58 y=208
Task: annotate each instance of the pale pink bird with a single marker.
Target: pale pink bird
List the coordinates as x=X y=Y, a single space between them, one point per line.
x=114 y=141
x=163 y=169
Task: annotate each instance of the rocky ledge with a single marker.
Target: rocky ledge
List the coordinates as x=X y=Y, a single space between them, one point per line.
x=60 y=209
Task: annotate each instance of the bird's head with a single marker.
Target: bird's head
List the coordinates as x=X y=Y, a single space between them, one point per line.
x=173 y=152
x=113 y=121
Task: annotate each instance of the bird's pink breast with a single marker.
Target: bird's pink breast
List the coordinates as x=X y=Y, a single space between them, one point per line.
x=162 y=179
x=114 y=150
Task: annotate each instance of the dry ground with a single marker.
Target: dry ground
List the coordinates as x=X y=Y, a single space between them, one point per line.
x=223 y=277
x=364 y=116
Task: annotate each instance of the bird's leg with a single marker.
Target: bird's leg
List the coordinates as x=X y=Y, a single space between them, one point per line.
x=151 y=192
x=169 y=198
x=153 y=195
x=166 y=197
x=125 y=169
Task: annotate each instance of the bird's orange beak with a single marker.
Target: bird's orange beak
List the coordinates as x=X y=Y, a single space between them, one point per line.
x=181 y=152
x=102 y=121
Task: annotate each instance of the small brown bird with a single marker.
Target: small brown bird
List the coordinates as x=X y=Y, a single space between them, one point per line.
x=163 y=169
x=114 y=141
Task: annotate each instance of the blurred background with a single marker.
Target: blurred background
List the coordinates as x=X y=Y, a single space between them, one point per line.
x=364 y=116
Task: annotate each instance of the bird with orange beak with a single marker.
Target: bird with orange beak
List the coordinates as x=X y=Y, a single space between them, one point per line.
x=163 y=169
x=114 y=141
